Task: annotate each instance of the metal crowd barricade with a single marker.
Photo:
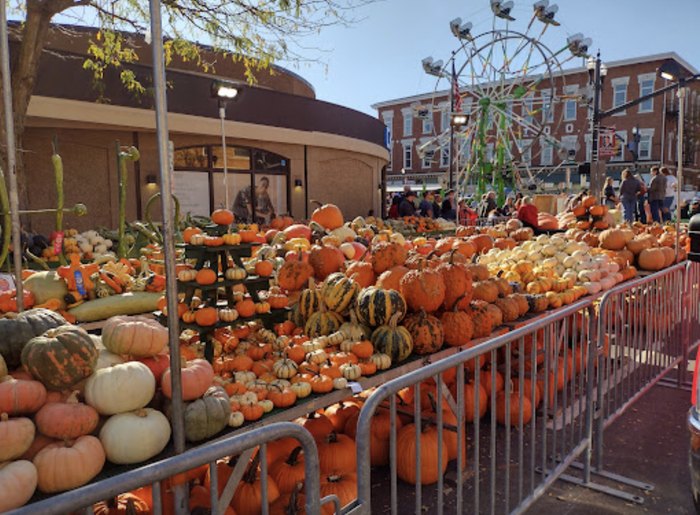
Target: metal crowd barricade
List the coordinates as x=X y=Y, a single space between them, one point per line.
x=691 y=305
x=507 y=459
x=642 y=336
x=243 y=446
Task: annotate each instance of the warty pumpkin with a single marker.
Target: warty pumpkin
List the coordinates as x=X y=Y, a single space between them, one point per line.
x=325 y=260
x=65 y=466
x=61 y=357
x=391 y=279
x=136 y=336
x=294 y=275
x=426 y=332
x=485 y=290
x=386 y=255
x=423 y=289
x=135 y=436
x=457 y=326
x=482 y=320
x=458 y=283
x=362 y=273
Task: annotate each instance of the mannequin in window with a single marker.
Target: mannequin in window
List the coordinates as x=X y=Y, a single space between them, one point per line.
x=243 y=204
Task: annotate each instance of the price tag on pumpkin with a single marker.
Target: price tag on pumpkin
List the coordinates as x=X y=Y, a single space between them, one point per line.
x=58 y=243
x=355 y=387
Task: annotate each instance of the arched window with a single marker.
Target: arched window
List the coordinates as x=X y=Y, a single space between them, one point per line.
x=201 y=187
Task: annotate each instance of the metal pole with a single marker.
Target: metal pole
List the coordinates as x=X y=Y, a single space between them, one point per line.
x=451 y=148
x=596 y=181
x=164 y=167
x=222 y=117
x=11 y=161
x=679 y=184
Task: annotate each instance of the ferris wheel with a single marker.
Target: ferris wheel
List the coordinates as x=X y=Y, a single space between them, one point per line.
x=504 y=85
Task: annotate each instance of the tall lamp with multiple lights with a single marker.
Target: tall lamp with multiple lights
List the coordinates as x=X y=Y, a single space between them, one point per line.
x=224 y=92
x=596 y=73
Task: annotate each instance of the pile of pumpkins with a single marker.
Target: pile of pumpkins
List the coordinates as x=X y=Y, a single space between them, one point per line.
x=586 y=215
x=649 y=247
x=71 y=401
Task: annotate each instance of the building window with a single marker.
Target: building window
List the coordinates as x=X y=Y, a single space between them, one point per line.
x=645 y=141
x=619 y=86
x=428 y=125
x=547 y=107
x=525 y=150
x=569 y=143
x=444 y=118
x=527 y=111
x=620 y=144
x=445 y=156
x=547 y=151
x=570 y=104
x=646 y=86
x=407 y=124
x=407 y=156
x=589 y=148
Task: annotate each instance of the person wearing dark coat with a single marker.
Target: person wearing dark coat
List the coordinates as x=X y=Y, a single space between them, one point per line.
x=449 y=206
x=407 y=207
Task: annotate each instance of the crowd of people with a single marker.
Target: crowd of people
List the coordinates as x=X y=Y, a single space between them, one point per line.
x=640 y=201
x=465 y=211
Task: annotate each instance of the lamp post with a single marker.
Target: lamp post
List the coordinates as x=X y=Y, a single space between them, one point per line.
x=596 y=72
x=224 y=92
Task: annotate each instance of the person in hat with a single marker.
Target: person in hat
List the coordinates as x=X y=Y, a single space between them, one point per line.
x=449 y=206
x=407 y=207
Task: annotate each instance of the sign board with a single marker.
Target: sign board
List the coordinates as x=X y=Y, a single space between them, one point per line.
x=7 y=282
x=192 y=190
x=607 y=142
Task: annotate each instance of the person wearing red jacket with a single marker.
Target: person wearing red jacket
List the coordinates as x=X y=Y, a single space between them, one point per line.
x=527 y=214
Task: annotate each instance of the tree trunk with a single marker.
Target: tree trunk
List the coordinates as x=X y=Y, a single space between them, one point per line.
x=25 y=61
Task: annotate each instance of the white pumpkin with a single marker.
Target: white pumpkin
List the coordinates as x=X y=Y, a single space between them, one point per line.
x=107 y=359
x=236 y=419
x=135 y=437
x=121 y=388
x=348 y=250
x=344 y=233
x=18 y=481
x=592 y=287
x=548 y=250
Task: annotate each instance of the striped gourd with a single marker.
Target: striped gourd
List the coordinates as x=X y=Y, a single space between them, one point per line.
x=393 y=340
x=339 y=291
x=376 y=306
x=309 y=302
x=322 y=323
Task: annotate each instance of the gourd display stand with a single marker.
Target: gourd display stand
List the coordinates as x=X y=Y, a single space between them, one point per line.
x=218 y=258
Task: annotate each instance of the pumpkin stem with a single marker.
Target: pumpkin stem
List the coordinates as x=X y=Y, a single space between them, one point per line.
x=312 y=201
x=332 y=437
x=252 y=473
x=459 y=299
x=452 y=256
x=293 y=458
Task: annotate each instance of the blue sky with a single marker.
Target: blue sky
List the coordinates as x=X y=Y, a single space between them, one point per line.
x=379 y=57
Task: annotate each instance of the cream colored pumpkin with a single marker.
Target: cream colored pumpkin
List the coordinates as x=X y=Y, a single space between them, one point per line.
x=107 y=359
x=121 y=388
x=18 y=481
x=136 y=336
x=135 y=436
x=16 y=435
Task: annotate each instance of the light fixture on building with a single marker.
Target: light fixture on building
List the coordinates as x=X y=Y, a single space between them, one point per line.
x=459 y=120
x=224 y=92
x=298 y=185
x=671 y=71
x=151 y=180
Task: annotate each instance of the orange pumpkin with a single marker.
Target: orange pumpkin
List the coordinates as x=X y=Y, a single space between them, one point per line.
x=206 y=316
x=222 y=217
x=205 y=276
x=328 y=216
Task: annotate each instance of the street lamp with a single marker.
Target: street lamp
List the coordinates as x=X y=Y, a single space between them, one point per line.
x=672 y=71
x=596 y=73
x=224 y=92
x=459 y=120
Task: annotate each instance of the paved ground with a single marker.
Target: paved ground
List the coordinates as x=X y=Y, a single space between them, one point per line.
x=648 y=443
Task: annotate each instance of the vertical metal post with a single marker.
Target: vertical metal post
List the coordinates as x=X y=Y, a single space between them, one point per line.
x=11 y=161
x=596 y=180
x=451 y=148
x=679 y=184
x=164 y=167
x=222 y=117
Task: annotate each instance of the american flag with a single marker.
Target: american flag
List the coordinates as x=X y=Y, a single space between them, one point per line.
x=457 y=99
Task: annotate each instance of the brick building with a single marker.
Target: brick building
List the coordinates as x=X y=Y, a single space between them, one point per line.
x=566 y=121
